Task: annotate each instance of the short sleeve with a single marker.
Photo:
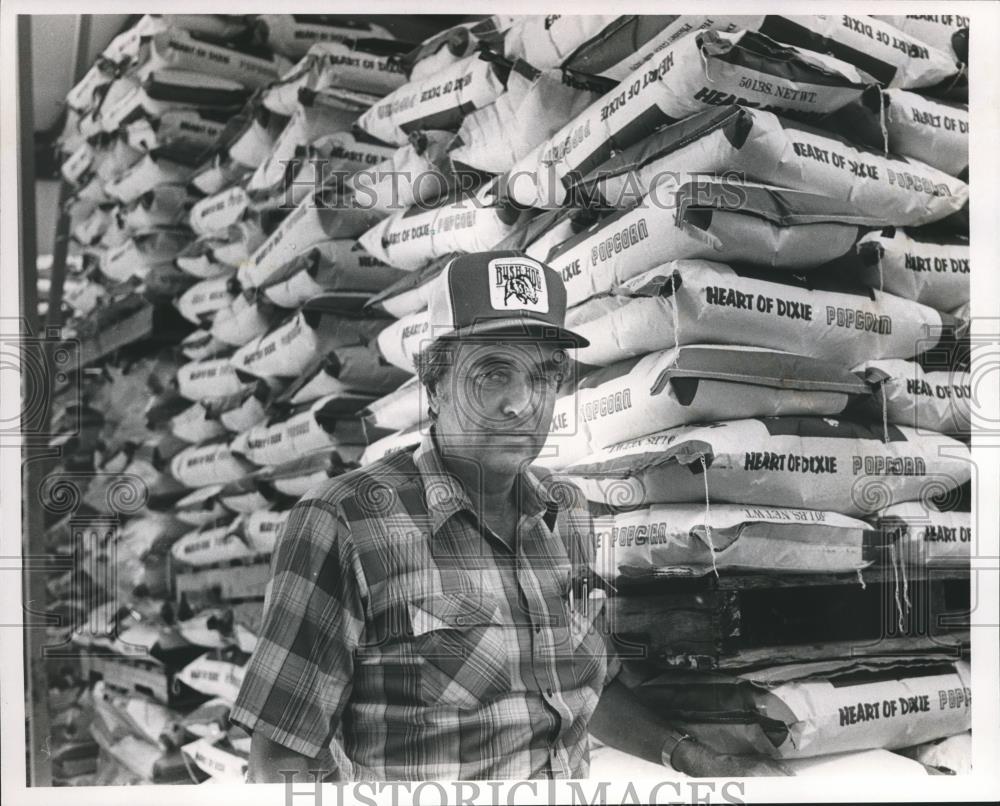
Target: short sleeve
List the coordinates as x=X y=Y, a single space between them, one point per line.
x=298 y=679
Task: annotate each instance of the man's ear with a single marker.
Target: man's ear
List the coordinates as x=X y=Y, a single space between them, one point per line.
x=433 y=400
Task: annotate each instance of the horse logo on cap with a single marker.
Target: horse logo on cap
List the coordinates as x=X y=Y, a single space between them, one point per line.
x=518 y=284
x=521 y=290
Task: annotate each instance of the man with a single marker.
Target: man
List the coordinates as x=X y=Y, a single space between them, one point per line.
x=431 y=610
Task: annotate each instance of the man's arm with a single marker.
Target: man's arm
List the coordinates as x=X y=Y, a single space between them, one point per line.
x=300 y=675
x=268 y=760
x=624 y=722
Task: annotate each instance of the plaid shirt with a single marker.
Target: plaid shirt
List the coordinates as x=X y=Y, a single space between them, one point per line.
x=393 y=619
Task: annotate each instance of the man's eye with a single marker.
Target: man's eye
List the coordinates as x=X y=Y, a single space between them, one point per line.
x=494 y=376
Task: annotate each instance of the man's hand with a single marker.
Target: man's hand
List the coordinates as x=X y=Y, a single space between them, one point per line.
x=695 y=759
x=623 y=722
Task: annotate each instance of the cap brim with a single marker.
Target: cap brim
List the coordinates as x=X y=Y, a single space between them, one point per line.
x=533 y=329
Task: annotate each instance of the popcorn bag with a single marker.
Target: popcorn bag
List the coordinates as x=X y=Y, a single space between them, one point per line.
x=777 y=151
x=244 y=409
x=935 y=132
x=667 y=540
x=217 y=673
x=305 y=226
x=183 y=133
x=400 y=341
x=352 y=151
x=695 y=383
x=164 y=206
x=810 y=709
x=370 y=65
x=418 y=172
x=139 y=254
x=212 y=463
x=944 y=31
x=319 y=426
x=248 y=316
x=144 y=176
x=84 y=94
x=201 y=345
x=77 y=165
x=908 y=395
x=211 y=544
x=409 y=294
x=951 y=755
x=326 y=113
x=218 y=253
x=177 y=49
x=396 y=411
x=710 y=219
x=253 y=143
x=534 y=106
x=202 y=300
x=548 y=41
x=213 y=758
x=916 y=265
x=814 y=462
x=287 y=350
x=698 y=71
x=201 y=506
x=890 y=55
x=435 y=102
x=218 y=174
x=329 y=266
x=263 y=527
x=411 y=239
x=401 y=441
x=698 y=301
x=297 y=477
x=927 y=536
x=216 y=377
x=293 y=34
x=243 y=496
x=357 y=369
x=192 y=425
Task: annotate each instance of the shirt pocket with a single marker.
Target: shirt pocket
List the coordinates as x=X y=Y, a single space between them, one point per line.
x=459 y=638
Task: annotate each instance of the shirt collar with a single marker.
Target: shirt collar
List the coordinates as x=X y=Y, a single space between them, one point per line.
x=445 y=495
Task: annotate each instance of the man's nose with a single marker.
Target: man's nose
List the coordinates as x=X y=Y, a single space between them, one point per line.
x=517 y=395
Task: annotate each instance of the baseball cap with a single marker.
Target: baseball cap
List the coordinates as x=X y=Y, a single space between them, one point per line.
x=499 y=293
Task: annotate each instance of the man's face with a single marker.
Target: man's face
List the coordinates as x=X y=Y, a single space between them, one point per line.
x=495 y=402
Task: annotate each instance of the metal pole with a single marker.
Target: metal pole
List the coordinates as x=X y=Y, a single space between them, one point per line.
x=60 y=249
x=39 y=769
x=26 y=178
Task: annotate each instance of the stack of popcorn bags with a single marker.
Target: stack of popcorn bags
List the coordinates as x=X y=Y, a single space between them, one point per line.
x=762 y=227
x=762 y=224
